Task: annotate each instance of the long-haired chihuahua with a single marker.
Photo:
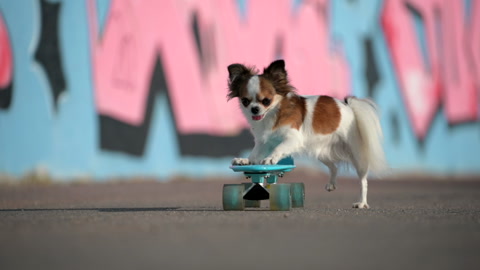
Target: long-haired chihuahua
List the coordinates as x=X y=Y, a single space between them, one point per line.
x=284 y=123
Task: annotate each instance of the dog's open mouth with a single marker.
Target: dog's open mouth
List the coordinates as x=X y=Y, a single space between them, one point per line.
x=257 y=117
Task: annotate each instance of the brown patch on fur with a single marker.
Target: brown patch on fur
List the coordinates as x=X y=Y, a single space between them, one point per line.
x=326 y=115
x=292 y=112
x=266 y=90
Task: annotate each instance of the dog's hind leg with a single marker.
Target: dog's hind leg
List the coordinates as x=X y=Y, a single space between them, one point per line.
x=362 y=174
x=332 y=183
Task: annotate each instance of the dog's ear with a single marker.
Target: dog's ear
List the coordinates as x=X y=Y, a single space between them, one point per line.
x=235 y=70
x=277 y=74
x=237 y=75
x=276 y=69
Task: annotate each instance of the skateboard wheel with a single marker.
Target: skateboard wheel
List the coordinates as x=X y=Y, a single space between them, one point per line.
x=233 y=197
x=297 y=191
x=251 y=203
x=280 y=197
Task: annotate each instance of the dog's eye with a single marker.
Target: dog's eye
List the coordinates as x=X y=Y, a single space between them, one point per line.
x=245 y=102
x=266 y=101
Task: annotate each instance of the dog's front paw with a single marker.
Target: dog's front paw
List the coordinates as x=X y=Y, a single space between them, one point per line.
x=269 y=161
x=361 y=205
x=330 y=187
x=240 y=161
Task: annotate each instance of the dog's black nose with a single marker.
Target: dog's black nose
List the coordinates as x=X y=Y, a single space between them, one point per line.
x=255 y=110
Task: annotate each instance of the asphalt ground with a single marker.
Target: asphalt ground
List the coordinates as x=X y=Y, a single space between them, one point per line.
x=413 y=223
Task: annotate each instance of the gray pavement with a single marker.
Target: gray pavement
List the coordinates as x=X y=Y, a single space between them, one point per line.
x=412 y=224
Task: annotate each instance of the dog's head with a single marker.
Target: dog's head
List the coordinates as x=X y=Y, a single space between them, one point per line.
x=258 y=94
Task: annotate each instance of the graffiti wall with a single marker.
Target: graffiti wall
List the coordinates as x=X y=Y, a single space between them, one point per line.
x=119 y=88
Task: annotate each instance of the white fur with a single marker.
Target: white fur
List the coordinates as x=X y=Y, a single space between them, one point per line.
x=253 y=86
x=357 y=140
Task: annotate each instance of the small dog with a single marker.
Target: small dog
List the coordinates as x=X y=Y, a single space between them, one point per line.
x=284 y=123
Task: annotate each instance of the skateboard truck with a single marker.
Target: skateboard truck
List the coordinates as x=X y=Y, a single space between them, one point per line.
x=257 y=190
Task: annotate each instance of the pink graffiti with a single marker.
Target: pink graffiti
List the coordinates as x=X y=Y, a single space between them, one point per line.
x=450 y=76
x=6 y=67
x=137 y=31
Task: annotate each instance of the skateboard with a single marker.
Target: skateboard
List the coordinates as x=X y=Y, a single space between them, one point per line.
x=264 y=186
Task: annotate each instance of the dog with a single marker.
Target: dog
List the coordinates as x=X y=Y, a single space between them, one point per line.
x=284 y=123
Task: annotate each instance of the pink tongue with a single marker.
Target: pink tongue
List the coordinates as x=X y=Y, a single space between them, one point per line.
x=257 y=117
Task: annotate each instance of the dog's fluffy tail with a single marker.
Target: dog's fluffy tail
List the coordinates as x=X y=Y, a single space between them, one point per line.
x=371 y=135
